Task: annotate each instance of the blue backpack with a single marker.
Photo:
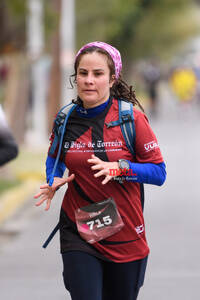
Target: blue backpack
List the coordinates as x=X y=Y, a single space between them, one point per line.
x=125 y=121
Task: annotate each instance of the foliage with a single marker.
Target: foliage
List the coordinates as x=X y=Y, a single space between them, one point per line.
x=51 y=20
x=106 y=17
x=164 y=29
x=17 y=8
x=137 y=27
x=12 y=24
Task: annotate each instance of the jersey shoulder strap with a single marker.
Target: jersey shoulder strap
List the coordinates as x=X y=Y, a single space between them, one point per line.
x=126 y=123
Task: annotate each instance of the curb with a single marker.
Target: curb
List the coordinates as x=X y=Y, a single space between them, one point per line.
x=14 y=198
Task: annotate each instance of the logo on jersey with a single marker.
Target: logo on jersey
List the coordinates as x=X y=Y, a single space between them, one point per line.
x=150 y=146
x=139 y=229
x=97 y=146
x=121 y=172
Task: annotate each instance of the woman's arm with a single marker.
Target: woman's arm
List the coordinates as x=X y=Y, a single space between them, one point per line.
x=47 y=192
x=60 y=169
x=142 y=172
x=147 y=173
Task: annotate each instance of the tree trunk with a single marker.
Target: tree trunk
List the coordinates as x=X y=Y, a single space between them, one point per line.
x=17 y=95
x=54 y=98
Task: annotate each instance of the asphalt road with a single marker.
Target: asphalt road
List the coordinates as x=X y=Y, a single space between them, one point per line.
x=172 y=222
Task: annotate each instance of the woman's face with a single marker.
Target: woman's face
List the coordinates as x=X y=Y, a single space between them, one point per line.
x=93 y=79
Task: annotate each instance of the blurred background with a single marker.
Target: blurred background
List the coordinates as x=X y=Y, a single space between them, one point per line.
x=160 y=46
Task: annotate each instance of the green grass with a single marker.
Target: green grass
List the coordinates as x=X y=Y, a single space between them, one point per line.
x=29 y=165
x=6 y=184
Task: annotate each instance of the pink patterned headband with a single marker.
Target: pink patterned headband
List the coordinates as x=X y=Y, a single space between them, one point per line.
x=114 y=53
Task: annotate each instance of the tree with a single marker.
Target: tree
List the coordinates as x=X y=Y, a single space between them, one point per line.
x=139 y=28
x=12 y=24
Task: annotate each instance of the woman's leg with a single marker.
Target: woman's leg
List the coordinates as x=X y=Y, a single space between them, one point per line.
x=82 y=275
x=123 y=280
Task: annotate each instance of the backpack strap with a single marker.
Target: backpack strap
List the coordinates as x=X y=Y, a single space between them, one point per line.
x=50 y=237
x=58 y=126
x=127 y=127
x=126 y=122
x=59 y=131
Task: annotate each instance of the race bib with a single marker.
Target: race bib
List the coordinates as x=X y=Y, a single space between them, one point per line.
x=98 y=221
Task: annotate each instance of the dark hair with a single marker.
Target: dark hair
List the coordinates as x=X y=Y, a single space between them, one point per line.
x=120 y=89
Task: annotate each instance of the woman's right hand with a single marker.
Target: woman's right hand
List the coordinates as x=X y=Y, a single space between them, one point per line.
x=47 y=192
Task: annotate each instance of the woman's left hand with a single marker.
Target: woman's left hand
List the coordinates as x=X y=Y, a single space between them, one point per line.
x=105 y=168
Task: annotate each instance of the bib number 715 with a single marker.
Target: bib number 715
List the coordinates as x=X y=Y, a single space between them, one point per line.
x=100 y=223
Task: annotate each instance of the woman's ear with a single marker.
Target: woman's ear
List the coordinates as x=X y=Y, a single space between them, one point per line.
x=112 y=80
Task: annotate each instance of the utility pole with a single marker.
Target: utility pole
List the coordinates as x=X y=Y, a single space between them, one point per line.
x=54 y=99
x=67 y=48
x=39 y=70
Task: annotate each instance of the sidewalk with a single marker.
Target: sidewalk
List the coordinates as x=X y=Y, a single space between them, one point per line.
x=27 y=271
